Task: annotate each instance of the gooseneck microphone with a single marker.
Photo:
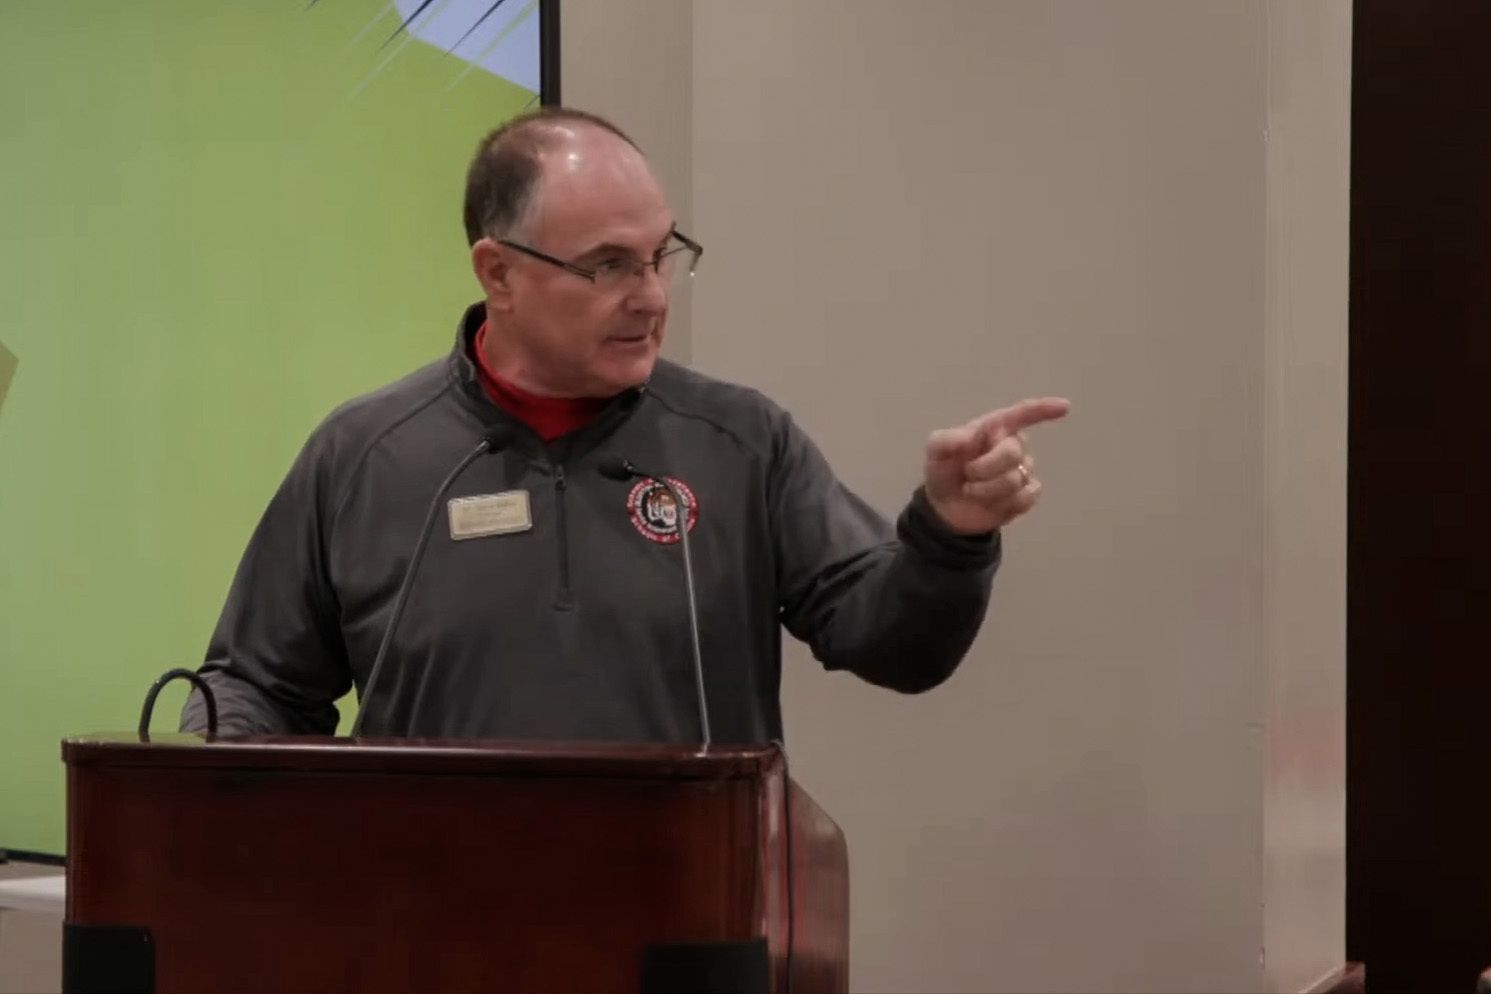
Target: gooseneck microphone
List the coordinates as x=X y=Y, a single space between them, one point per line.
x=496 y=440
x=617 y=468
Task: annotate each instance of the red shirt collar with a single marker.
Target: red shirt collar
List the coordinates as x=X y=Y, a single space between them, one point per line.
x=550 y=417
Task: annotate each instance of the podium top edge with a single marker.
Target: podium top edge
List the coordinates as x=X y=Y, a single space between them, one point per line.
x=396 y=755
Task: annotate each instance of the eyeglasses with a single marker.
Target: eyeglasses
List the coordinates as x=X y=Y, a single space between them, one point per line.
x=624 y=270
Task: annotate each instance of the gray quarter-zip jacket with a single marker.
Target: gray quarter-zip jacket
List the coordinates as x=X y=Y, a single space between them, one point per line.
x=573 y=625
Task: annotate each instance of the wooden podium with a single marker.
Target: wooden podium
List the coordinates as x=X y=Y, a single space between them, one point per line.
x=314 y=864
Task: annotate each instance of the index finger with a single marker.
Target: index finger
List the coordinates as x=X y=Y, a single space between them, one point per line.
x=1026 y=414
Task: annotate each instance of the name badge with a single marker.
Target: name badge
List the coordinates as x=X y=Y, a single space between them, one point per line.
x=490 y=514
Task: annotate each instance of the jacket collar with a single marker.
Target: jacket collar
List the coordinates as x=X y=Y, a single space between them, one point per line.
x=465 y=381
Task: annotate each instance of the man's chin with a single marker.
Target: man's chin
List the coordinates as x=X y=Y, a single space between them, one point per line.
x=620 y=373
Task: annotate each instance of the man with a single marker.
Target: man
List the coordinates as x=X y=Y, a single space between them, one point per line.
x=550 y=601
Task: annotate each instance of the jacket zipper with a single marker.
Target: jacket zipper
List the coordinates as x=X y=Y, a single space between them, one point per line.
x=566 y=598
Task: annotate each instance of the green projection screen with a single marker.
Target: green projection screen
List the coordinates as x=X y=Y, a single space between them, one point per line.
x=218 y=220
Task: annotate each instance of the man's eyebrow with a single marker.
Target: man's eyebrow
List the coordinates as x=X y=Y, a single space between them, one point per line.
x=606 y=248
x=611 y=248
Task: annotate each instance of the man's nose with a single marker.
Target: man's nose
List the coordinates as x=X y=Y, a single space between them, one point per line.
x=650 y=294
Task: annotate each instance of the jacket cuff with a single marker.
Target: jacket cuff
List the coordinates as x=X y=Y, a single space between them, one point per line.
x=922 y=531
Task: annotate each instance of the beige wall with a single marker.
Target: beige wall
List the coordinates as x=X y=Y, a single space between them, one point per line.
x=30 y=941
x=632 y=61
x=1308 y=168
x=918 y=211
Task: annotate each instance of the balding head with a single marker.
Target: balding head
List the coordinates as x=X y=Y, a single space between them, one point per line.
x=513 y=164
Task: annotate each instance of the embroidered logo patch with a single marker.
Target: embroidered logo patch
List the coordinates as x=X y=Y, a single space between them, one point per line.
x=654 y=513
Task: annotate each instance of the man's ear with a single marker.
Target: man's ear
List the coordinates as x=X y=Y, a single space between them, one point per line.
x=492 y=265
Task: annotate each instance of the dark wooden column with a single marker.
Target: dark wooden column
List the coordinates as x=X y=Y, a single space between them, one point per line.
x=1419 y=614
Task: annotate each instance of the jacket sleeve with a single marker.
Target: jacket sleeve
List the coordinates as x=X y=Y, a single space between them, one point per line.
x=276 y=662
x=900 y=607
